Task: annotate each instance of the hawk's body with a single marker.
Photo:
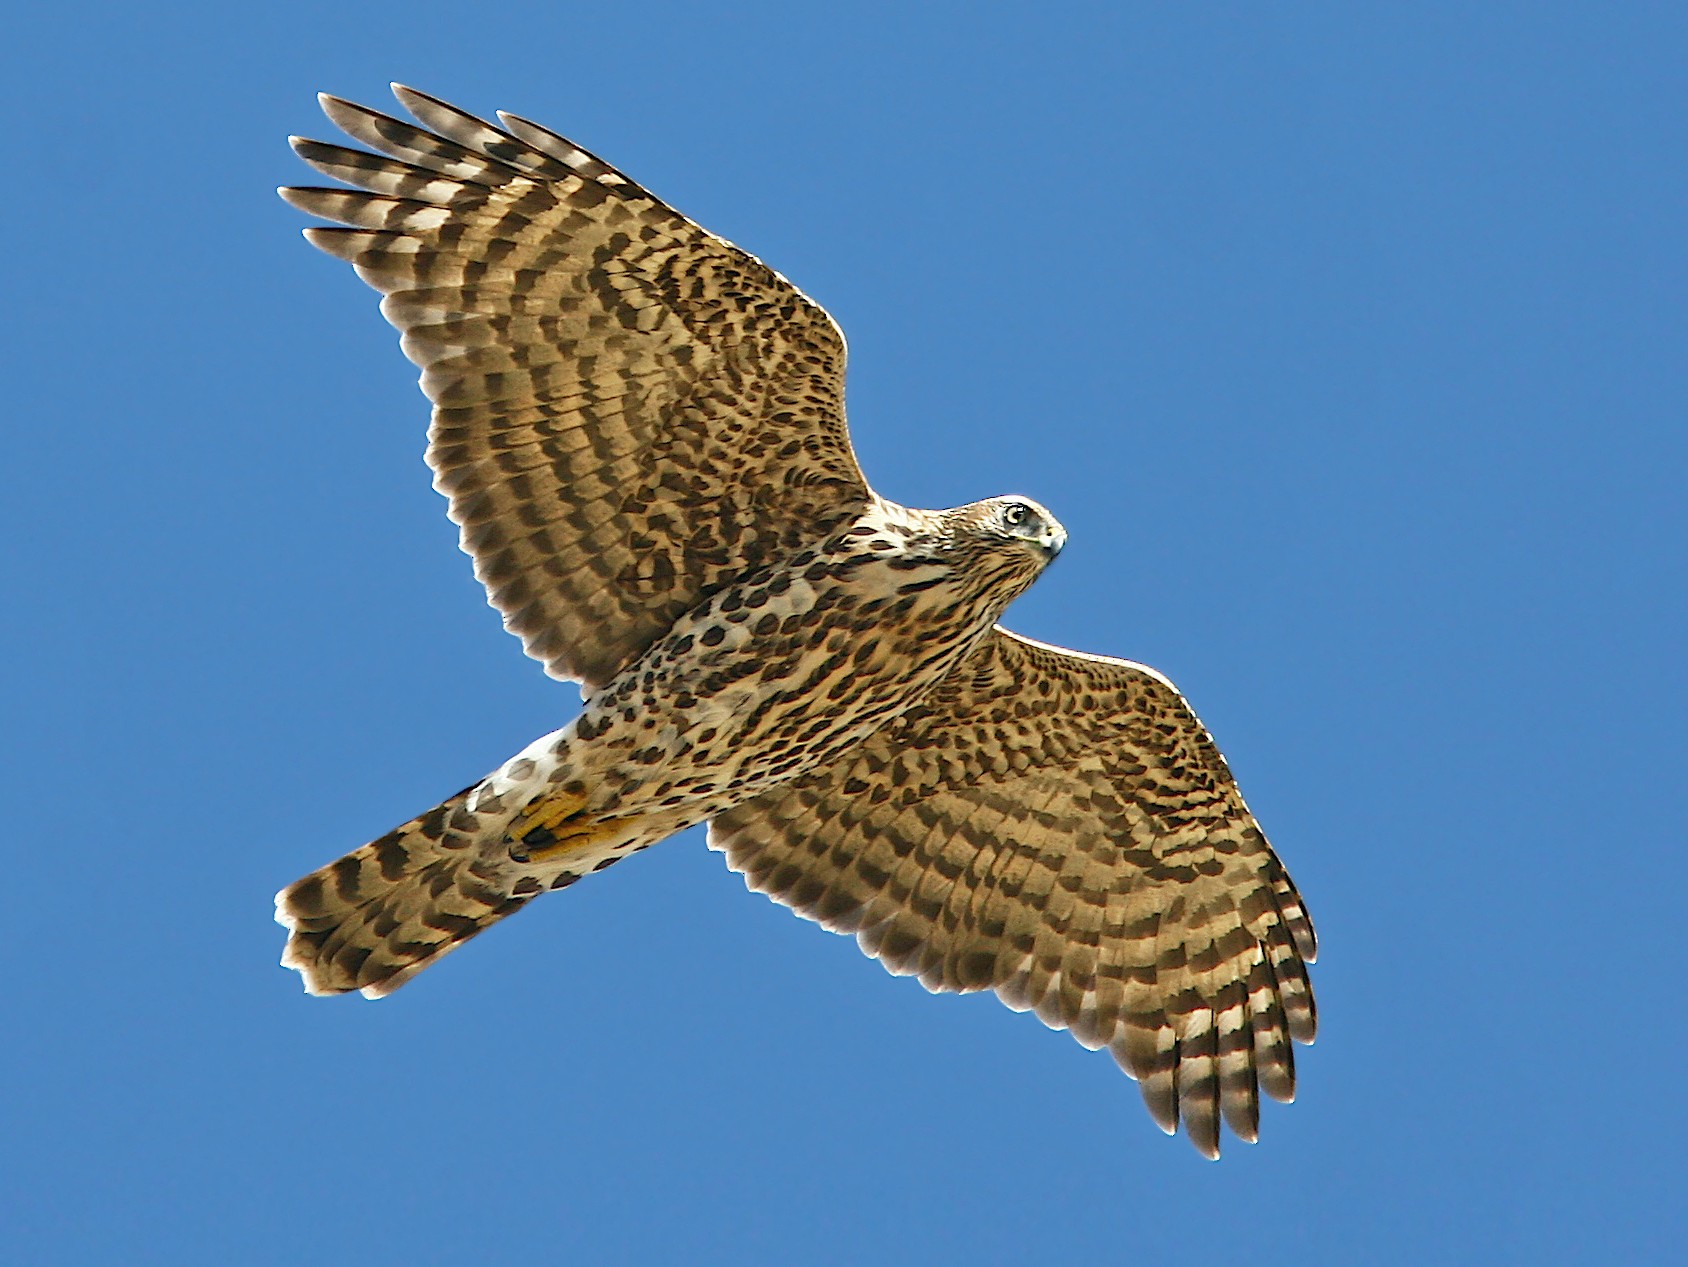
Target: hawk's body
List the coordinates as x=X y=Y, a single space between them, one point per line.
x=641 y=430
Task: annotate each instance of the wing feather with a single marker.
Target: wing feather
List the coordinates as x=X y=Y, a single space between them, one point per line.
x=629 y=412
x=1060 y=829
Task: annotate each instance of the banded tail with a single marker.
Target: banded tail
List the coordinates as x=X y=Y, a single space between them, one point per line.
x=382 y=913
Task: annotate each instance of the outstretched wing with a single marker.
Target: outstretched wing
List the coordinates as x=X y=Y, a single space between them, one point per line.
x=629 y=412
x=1061 y=829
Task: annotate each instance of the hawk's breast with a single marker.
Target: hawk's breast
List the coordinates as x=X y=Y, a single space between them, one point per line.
x=779 y=673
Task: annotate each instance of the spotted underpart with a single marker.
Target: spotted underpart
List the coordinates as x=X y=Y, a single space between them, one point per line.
x=641 y=432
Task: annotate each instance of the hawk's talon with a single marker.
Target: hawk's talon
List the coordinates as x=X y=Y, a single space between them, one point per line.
x=543 y=831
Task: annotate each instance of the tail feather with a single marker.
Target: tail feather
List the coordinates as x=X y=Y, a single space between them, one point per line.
x=381 y=914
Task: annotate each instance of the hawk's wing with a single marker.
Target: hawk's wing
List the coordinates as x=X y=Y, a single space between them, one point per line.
x=1060 y=828
x=628 y=411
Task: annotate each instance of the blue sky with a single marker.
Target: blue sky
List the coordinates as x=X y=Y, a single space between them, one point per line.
x=1346 y=340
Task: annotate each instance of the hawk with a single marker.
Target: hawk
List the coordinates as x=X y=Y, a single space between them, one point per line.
x=641 y=432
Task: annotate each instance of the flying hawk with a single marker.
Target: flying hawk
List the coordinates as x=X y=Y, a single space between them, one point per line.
x=641 y=432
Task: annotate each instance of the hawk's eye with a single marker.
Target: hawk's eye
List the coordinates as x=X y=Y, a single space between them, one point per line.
x=1015 y=515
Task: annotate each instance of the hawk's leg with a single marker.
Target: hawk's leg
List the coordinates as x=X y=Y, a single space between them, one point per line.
x=546 y=829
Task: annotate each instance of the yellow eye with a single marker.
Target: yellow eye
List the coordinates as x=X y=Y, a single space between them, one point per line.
x=1015 y=515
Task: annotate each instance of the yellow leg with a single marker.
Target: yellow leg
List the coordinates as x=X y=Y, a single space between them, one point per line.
x=547 y=812
x=544 y=832
x=539 y=850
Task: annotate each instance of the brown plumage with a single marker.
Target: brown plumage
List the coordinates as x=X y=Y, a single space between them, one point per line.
x=641 y=432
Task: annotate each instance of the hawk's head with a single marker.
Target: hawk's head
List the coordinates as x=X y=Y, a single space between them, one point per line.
x=1020 y=520
x=1006 y=542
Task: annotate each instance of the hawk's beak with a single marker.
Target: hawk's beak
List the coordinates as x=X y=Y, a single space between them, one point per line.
x=1052 y=540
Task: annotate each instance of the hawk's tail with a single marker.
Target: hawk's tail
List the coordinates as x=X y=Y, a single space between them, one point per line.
x=381 y=914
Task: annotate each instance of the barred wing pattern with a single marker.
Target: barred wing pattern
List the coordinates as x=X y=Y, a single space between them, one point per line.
x=629 y=412
x=1061 y=829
